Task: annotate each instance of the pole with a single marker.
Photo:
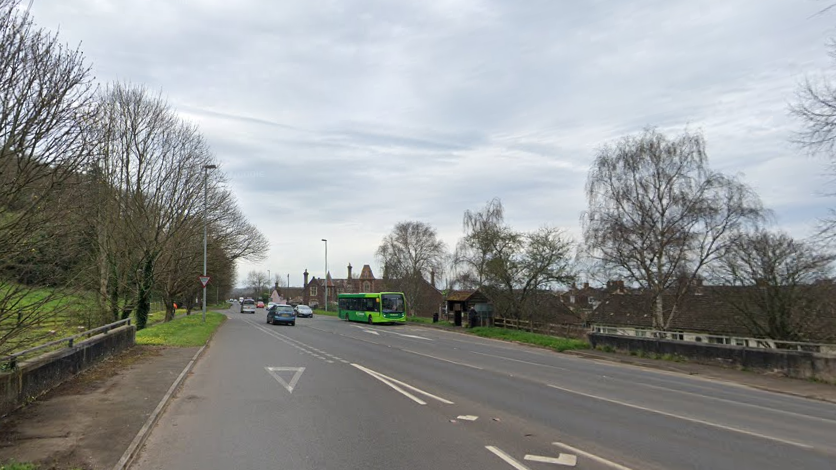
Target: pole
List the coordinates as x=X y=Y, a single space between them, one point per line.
x=206 y=169
x=326 y=274
x=205 y=180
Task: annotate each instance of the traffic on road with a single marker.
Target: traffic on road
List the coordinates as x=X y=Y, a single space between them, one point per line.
x=331 y=393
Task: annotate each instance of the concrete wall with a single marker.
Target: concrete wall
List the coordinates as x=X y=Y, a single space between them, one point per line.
x=37 y=376
x=797 y=364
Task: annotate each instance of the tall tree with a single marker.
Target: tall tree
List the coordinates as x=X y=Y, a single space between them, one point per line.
x=517 y=270
x=785 y=286
x=409 y=255
x=46 y=100
x=658 y=214
x=154 y=163
x=815 y=108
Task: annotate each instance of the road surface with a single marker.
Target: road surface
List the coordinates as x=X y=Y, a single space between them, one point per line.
x=328 y=394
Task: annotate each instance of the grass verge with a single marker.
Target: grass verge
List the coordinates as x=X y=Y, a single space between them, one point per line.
x=551 y=342
x=18 y=466
x=329 y=313
x=181 y=332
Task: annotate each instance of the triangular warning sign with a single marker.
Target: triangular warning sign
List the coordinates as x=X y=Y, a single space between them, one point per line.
x=297 y=372
x=204 y=280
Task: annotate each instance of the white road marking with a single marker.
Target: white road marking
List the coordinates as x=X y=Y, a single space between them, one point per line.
x=567 y=460
x=735 y=402
x=288 y=385
x=442 y=359
x=518 y=360
x=393 y=386
x=591 y=456
x=685 y=418
x=507 y=458
x=385 y=378
x=377 y=332
x=411 y=336
x=467 y=417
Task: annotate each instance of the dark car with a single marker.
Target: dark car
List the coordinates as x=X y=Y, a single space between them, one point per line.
x=303 y=311
x=281 y=314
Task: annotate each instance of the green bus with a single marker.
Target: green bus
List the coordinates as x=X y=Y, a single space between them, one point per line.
x=379 y=307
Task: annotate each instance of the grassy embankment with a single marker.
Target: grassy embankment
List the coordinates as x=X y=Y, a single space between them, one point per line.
x=71 y=315
x=181 y=332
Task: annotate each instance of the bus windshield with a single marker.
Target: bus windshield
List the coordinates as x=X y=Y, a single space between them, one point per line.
x=392 y=303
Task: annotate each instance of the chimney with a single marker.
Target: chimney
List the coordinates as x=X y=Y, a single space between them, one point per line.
x=306 y=298
x=586 y=285
x=349 y=271
x=432 y=277
x=621 y=285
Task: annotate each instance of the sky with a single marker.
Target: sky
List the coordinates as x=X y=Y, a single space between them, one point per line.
x=336 y=119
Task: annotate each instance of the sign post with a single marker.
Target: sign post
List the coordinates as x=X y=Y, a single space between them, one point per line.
x=203 y=281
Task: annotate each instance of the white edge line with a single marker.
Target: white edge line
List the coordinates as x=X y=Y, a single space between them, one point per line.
x=686 y=418
x=740 y=403
x=414 y=389
x=442 y=359
x=393 y=386
x=132 y=450
x=591 y=456
x=507 y=458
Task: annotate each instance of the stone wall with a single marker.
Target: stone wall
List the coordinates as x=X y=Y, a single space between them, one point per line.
x=34 y=377
x=796 y=364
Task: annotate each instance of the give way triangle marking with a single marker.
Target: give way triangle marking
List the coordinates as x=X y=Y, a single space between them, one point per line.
x=276 y=373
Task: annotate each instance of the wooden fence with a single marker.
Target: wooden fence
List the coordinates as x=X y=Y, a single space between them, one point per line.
x=551 y=329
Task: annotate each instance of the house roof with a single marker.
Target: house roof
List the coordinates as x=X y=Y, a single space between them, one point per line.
x=458 y=295
x=366 y=272
x=709 y=309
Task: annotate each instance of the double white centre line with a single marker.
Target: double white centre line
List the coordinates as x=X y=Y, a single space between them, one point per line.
x=397 y=384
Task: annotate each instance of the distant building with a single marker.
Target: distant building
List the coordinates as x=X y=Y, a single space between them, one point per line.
x=314 y=290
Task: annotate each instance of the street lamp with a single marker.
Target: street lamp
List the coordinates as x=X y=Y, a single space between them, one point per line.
x=206 y=169
x=326 y=274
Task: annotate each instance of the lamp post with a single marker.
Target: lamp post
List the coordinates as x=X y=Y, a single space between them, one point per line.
x=206 y=169
x=326 y=274
x=268 y=280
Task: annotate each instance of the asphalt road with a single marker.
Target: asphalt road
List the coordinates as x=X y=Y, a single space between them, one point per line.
x=328 y=394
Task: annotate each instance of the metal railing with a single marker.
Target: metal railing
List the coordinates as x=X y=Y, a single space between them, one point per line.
x=694 y=337
x=551 y=329
x=10 y=361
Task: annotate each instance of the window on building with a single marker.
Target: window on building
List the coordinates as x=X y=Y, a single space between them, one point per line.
x=313 y=290
x=571 y=299
x=367 y=286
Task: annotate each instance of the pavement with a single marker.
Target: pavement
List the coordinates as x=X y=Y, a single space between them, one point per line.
x=92 y=420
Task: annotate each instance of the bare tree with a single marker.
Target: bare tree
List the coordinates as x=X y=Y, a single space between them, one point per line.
x=659 y=215
x=409 y=254
x=153 y=162
x=815 y=108
x=257 y=281
x=784 y=286
x=45 y=102
x=517 y=270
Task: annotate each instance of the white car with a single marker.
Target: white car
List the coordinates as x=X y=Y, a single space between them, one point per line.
x=303 y=311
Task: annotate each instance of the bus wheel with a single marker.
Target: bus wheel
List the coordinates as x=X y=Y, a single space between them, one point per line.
x=369 y=319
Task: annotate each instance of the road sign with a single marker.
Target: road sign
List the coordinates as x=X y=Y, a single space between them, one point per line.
x=204 y=280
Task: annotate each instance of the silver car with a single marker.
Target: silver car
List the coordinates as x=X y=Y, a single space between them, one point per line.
x=303 y=311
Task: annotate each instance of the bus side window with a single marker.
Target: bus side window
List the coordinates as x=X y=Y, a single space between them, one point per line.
x=370 y=305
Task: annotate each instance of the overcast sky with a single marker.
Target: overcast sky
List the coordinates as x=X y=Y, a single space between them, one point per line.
x=337 y=118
